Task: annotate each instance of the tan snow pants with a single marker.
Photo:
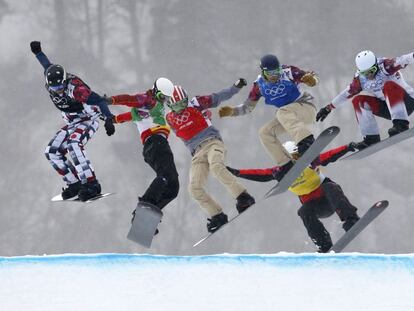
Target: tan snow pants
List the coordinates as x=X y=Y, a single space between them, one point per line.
x=293 y=119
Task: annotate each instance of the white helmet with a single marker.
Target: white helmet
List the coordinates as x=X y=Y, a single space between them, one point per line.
x=365 y=60
x=165 y=86
x=290 y=147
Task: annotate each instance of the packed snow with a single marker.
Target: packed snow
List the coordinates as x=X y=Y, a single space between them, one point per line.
x=220 y=282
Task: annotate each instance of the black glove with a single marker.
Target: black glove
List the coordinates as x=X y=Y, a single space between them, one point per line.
x=109 y=126
x=35 y=47
x=352 y=146
x=240 y=83
x=323 y=113
x=234 y=171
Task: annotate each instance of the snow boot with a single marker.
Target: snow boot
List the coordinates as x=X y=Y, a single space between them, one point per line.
x=89 y=190
x=324 y=248
x=324 y=242
x=368 y=140
x=304 y=144
x=349 y=222
x=215 y=222
x=71 y=191
x=398 y=127
x=244 y=201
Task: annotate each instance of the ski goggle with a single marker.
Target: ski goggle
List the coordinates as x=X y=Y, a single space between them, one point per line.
x=160 y=96
x=56 y=88
x=369 y=71
x=272 y=73
x=178 y=106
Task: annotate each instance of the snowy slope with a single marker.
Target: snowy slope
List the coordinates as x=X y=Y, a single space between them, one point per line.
x=222 y=282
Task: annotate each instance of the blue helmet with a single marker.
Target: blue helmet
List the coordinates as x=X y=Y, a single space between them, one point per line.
x=269 y=62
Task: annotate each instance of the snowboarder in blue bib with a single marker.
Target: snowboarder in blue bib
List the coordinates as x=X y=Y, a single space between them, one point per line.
x=280 y=87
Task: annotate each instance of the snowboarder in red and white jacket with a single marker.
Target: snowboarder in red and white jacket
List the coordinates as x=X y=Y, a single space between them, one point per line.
x=190 y=121
x=390 y=95
x=319 y=195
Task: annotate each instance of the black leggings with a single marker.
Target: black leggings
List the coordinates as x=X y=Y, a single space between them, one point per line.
x=164 y=188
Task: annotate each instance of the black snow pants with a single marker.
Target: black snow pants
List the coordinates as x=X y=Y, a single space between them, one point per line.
x=164 y=188
x=334 y=200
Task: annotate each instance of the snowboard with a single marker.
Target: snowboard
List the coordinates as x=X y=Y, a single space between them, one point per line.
x=144 y=223
x=311 y=154
x=211 y=233
x=380 y=145
x=58 y=198
x=373 y=212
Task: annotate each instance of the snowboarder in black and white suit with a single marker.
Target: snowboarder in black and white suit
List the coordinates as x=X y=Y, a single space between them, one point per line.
x=80 y=108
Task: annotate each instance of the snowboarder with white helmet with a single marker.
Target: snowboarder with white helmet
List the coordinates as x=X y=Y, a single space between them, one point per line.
x=319 y=195
x=80 y=108
x=280 y=87
x=148 y=113
x=390 y=96
x=190 y=121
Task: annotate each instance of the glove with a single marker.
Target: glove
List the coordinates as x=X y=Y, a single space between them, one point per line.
x=352 y=146
x=226 y=111
x=234 y=171
x=35 y=47
x=207 y=114
x=323 y=112
x=240 y=83
x=109 y=126
x=309 y=79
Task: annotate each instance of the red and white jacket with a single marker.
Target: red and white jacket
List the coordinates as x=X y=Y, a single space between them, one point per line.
x=389 y=70
x=193 y=124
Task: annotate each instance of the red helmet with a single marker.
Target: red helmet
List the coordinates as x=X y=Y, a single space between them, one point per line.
x=178 y=94
x=179 y=99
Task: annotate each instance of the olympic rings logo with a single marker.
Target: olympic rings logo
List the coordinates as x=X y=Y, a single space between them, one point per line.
x=275 y=90
x=60 y=101
x=182 y=118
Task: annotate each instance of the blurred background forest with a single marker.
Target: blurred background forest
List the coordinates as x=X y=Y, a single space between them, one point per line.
x=122 y=47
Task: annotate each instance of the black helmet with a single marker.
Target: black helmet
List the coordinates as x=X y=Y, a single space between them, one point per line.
x=269 y=62
x=55 y=76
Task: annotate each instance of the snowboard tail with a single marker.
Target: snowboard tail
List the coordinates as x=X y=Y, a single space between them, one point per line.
x=58 y=198
x=144 y=224
x=372 y=213
x=211 y=233
x=385 y=143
